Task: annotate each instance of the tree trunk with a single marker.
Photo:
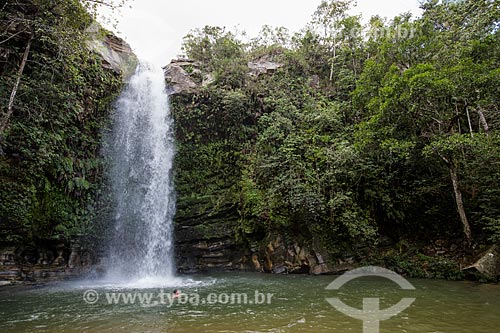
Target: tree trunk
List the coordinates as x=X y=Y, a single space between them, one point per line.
x=483 y=121
x=354 y=67
x=460 y=203
x=470 y=123
x=10 y=107
x=332 y=65
x=331 y=71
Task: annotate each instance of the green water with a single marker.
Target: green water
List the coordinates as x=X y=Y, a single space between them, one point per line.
x=298 y=305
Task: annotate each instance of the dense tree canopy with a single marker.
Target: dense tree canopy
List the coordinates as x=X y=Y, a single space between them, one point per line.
x=55 y=99
x=385 y=129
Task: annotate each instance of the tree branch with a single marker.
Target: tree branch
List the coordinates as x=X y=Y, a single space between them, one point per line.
x=10 y=107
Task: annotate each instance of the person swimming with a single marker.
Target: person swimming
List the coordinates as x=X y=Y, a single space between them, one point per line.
x=176 y=293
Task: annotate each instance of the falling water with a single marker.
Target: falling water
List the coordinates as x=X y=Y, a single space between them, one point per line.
x=141 y=153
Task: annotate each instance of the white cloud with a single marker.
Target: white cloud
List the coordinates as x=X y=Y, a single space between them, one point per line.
x=155 y=28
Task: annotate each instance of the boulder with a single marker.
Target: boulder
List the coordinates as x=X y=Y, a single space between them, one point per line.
x=75 y=259
x=263 y=65
x=281 y=258
x=256 y=263
x=8 y=256
x=275 y=254
x=178 y=75
x=488 y=264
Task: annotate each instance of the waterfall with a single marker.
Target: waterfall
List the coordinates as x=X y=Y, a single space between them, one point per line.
x=141 y=152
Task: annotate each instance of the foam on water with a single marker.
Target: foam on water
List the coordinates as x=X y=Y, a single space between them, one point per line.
x=142 y=283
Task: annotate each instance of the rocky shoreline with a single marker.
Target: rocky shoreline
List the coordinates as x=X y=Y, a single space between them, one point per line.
x=61 y=261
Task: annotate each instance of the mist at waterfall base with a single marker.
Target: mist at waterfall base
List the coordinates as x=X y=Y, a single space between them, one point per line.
x=140 y=150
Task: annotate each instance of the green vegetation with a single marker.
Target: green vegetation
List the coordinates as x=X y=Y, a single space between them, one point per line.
x=51 y=121
x=354 y=137
x=376 y=145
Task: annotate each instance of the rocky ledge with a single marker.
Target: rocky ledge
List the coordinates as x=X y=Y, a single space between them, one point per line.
x=196 y=253
x=187 y=76
x=54 y=261
x=115 y=53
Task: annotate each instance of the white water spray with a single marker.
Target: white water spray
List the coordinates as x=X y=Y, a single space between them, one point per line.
x=141 y=153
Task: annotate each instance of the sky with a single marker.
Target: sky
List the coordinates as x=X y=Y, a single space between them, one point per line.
x=154 y=28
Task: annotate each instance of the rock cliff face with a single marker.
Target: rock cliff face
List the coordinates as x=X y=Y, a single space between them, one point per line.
x=205 y=226
x=184 y=76
x=115 y=53
x=54 y=261
x=263 y=65
x=204 y=245
x=275 y=256
x=207 y=221
x=176 y=73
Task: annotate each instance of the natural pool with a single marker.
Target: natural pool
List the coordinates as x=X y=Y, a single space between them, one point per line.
x=298 y=304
